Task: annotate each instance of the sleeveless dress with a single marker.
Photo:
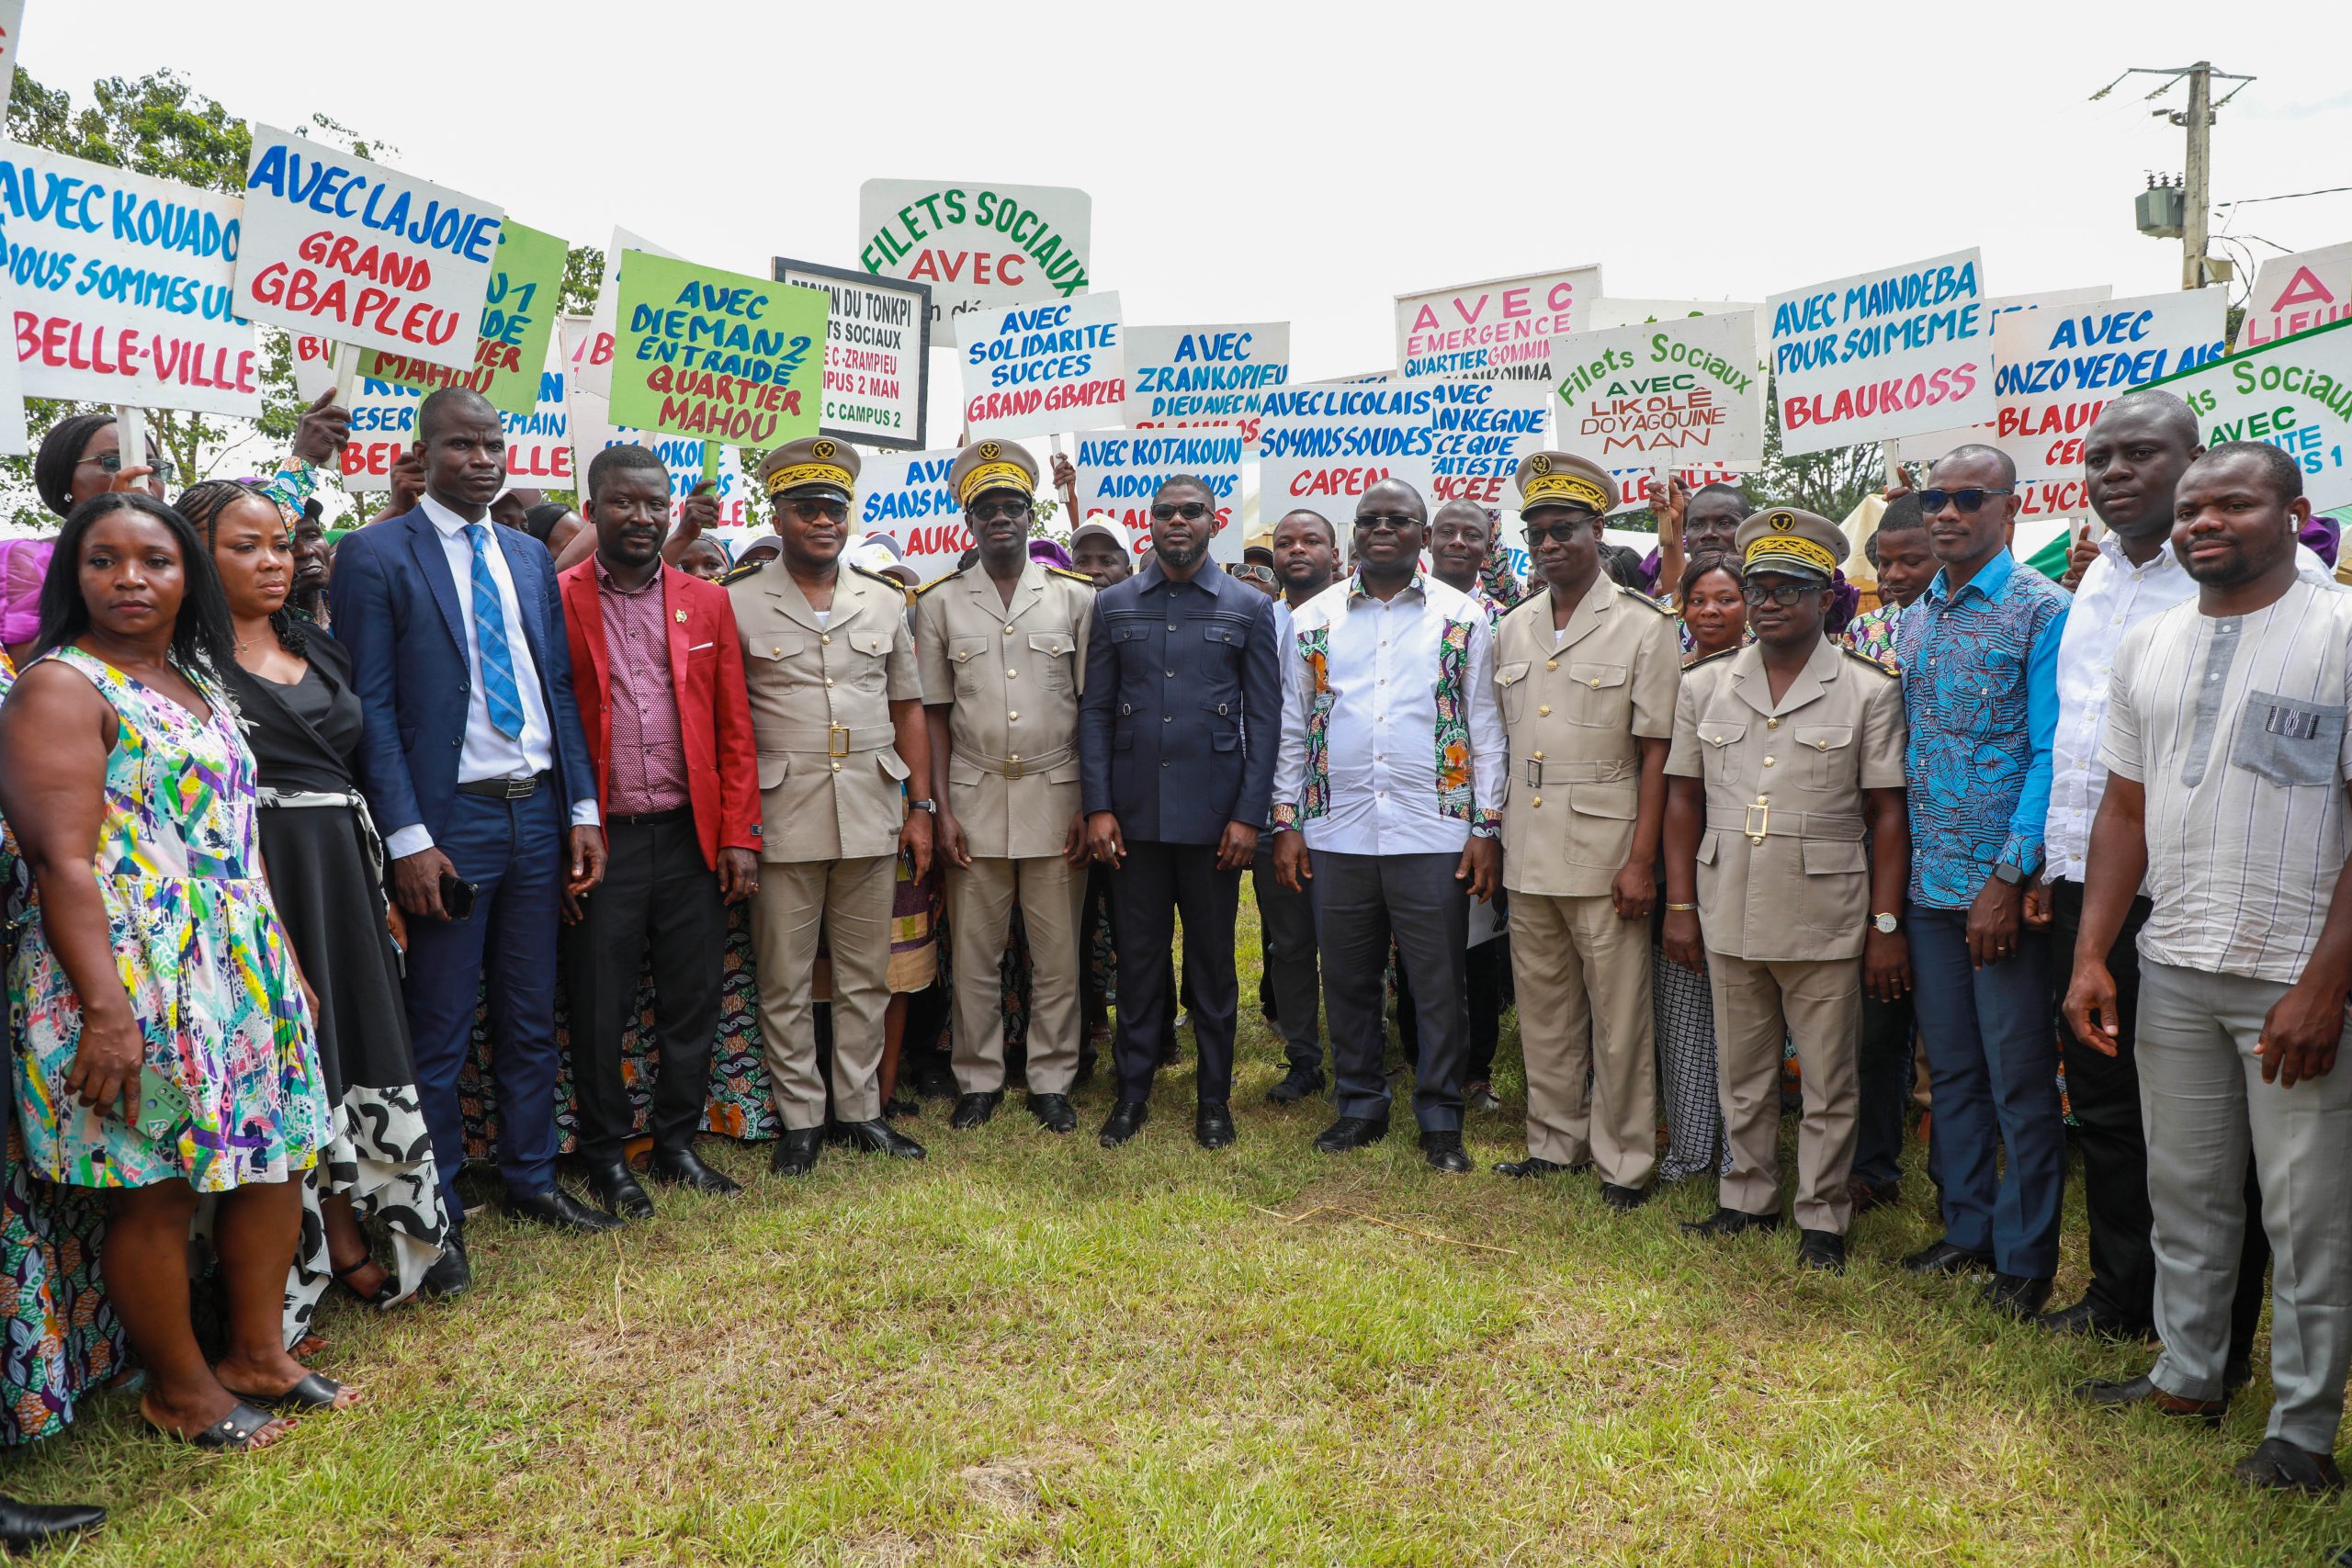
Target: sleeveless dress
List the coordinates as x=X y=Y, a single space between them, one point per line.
x=231 y=1091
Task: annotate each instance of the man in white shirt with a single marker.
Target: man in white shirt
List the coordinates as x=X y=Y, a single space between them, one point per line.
x=2229 y=762
x=2132 y=460
x=476 y=771
x=1390 y=772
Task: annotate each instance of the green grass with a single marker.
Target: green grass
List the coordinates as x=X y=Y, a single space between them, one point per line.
x=1028 y=1350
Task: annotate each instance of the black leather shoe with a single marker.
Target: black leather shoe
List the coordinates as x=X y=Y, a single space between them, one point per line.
x=1053 y=1113
x=1296 y=1085
x=27 y=1525
x=560 y=1208
x=1212 y=1125
x=1732 y=1222
x=613 y=1186
x=683 y=1168
x=1532 y=1168
x=1824 y=1250
x=1351 y=1132
x=452 y=1273
x=1624 y=1200
x=878 y=1137
x=974 y=1110
x=1443 y=1151
x=2085 y=1319
x=2017 y=1295
x=1126 y=1120
x=2125 y=1393
x=1943 y=1257
x=2280 y=1466
x=796 y=1153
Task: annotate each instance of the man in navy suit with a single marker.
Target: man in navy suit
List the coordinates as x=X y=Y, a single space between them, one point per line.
x=1177 y=723
x=477 y=773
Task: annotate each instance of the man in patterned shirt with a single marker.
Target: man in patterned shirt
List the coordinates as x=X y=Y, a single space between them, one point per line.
x=1979 y=656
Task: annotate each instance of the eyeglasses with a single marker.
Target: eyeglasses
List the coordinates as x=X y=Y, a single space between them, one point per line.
x=111 y=463
x=1013 y=507
x=1394 y=522
x=809 y=510
x=1558 y=532
x=1969 y=499
x=1253 y=570
x=1189 y=511
x=1784 y=595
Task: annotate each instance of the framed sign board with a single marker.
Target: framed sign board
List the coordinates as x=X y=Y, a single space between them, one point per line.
x=877 y=354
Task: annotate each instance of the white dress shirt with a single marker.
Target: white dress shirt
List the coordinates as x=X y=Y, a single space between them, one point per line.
x=2114 y=597
x=1382 y=669
x=486 y=754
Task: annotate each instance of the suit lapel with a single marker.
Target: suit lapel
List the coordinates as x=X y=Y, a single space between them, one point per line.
x=424 y=545
x=1597 y=600
x=677 y=624
x=586 y=605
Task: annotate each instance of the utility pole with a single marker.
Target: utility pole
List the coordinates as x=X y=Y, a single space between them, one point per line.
x=2158 y=215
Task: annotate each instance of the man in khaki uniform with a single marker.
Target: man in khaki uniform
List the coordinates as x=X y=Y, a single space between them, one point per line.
x=1003 y=647
x=1787 y=851
x=1586 y=672
x=837 y=715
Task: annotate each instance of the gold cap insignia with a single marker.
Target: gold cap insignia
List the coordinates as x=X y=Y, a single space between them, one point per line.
x=822 y=449
x=1782 y=522
x=1539 y=464
x=989 y=450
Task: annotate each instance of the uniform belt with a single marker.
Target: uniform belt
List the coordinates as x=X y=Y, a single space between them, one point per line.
x=833 y=740
x=1760 y=821
x=1017 y=767
x=1541 y=771
x=519 y=787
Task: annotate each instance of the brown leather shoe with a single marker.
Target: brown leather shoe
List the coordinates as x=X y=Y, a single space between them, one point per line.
x=2122 y=1394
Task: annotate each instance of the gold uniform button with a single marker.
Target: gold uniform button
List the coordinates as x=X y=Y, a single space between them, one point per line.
x=1008 y=631
x=837 y=767
x=1537 y=801
x=1012 y=674
x=1550 y=664
x=1539 y=756
x=1768 y=762
x=1771 y=724
x=1543 y=712
x=1820 y=745
x=828 y=680
x=827 y=640
x=775 y=653
x=1596 y=682
x=1011 y=715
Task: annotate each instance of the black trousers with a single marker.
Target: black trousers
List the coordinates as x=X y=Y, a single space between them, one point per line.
x=1360 y=902
x=1157 y=882
x=1291 y=986
x=1884 y=1074
x=1484 y=969
x=2104 y=1093
x=657 y=892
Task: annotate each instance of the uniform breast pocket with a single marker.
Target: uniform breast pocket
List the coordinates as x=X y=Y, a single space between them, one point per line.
x=768 y=659
x=963 y=657
x=2289 y=741
x=1226 y=638
x=1600 y=694
x=873 y=651
x=1828 y=753
x=1511 y=686
x=1716 y=740
x=1052 y=652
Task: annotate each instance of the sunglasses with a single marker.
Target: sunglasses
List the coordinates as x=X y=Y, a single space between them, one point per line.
x=1969 y=499
x=1784 y=595
x=1558 y=532
x=111 y=463
x=809 y=510
x=1253 y=572
x=1191 y=512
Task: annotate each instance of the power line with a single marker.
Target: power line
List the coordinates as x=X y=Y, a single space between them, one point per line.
x=2291 y=196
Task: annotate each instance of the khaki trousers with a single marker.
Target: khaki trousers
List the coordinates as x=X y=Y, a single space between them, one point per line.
x=980 y=901
x=1584 y=1003
x=850 y=901
x=1757 y=1006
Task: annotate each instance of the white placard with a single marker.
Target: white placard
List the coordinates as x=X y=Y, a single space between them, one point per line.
x=1185 y=378
x=1500 y=330
x=1682 y=392
x=905 y=495
x=1481 y=431
x=2297 y=293
x=2294 y=393
x=980 y=247
x=1322 y=446
x=341 y=247
x=539 y=445
x=877 y=360
x=124 y=287
x=2055 y=368
x=1883 y=353
x=1612 y=311
x=1036 y=370
x=1118 y=470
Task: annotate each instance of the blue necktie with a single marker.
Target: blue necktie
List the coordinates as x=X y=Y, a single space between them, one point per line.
x=498 y=688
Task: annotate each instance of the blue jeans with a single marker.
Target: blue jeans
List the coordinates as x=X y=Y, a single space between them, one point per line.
x=1993 y=1060
x=514 y=851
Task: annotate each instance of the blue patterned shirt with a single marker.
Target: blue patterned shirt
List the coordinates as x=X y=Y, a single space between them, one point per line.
x=1980 y=689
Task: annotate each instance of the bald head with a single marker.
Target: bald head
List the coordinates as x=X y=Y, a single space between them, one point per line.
x=1393 y=496
x=451 y=404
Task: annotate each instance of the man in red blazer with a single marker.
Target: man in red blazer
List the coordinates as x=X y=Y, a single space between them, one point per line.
x=659 y=675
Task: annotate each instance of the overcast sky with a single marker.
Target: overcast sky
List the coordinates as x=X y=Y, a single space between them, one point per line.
x=1268 y=162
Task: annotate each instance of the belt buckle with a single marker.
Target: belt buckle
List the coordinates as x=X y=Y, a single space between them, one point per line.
x=518 y=788
x=1536 y=773
x=837 y=741
x=1759 y=821
x=1012 y=768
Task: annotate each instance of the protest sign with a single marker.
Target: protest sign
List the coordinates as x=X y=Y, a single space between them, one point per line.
x=383 y=425
x=877 y=354
x=980 y=247
x=1118 y=470
x=1482 y=430
x=1634 y=484
x=1609 y=311
x=2296 y=293
x=2294 y=393
x=1681 y=392
x=1036 y=370
x=1181 y=377
x=1322 y=446
x=346 y=248
x=1883 y=353
x=314 y=364
x=588 y=419
x=2055 y=368
x=905 y=495
x=1497 y=331
x=517 y=330
x=1925 y=447
x=124 y=288
x=715 y=354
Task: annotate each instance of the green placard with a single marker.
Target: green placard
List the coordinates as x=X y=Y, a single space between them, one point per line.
x=716 y=354
x=517 y=323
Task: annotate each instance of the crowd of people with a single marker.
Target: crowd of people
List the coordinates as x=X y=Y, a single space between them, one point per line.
x=296 y=826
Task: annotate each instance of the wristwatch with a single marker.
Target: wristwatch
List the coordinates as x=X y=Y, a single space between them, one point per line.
x=1885 y=923
x=929 y=805
x=2014 y=876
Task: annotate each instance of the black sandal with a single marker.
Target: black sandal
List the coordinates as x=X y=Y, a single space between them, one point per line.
x=315 y=1392
x=386 y=1293
x=234 y=1433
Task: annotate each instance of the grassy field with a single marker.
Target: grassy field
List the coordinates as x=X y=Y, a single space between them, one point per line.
x=1030 y=1350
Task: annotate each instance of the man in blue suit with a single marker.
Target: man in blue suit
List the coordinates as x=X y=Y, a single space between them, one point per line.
x=478 y=776
x=1177 y=723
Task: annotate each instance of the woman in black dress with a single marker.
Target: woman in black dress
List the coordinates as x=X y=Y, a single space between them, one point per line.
x=301 y=717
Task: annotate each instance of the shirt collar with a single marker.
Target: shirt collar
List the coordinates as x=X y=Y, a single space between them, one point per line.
x=1987 y=584
x=2163 y=561
x=1355 y=587
x=448 y=523
x=605 y=582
